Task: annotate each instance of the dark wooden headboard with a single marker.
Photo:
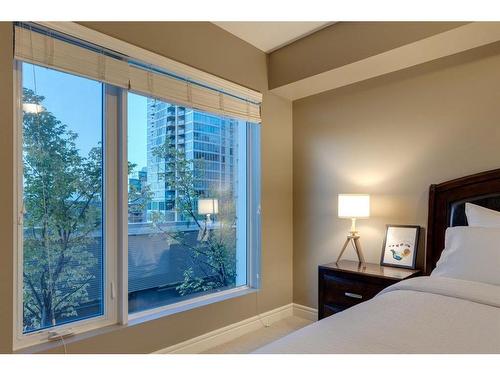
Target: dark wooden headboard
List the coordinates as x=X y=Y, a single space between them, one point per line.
x=447 y=207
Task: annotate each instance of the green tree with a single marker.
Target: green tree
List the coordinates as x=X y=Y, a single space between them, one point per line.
x=138 y=198
x=213 y=256
x=62 y=205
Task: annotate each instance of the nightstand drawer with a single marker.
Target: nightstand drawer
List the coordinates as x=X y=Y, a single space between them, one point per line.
x=348 y=292
x=344 y=284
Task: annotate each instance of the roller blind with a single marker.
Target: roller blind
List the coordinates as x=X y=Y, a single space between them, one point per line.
x=55 y=50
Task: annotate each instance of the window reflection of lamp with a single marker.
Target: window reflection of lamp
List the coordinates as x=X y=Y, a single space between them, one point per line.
x=208 y=206
x=32 y=108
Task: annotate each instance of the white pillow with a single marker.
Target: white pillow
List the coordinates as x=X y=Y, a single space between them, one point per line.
x=471 y=253
x=478 y=216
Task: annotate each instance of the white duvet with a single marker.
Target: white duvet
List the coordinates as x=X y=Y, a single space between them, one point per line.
x=419 y=315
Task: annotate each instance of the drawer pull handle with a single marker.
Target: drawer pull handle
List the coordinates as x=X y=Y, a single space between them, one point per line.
x=353 y=295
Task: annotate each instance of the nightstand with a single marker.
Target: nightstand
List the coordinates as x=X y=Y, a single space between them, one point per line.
x=347 y=283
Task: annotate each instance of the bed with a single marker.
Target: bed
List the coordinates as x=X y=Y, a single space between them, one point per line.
x=428 y=314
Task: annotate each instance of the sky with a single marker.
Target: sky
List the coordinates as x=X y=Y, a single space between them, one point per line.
x=77 y=102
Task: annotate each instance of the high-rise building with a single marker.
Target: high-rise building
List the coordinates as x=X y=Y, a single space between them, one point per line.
x=208 y=138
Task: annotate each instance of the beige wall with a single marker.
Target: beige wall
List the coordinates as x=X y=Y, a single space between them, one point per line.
x=344 y=43
x=199 y=44
x=211 y=49
x=6 y=214
x=391 y=137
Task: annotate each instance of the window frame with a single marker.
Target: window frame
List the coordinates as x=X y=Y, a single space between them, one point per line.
x=109 y=141
x=253 y=222
x=115 y=181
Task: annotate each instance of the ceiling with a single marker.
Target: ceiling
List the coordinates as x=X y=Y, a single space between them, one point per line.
x=269 y=36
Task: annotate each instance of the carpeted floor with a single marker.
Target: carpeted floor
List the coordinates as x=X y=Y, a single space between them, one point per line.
x=260 y=337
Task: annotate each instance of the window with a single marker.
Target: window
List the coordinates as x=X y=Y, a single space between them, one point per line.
x=176 y=248
x=113 y=180
x=64 y=268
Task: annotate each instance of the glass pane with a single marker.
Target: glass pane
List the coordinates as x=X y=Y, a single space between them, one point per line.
x=63 y=211
x=187 y=203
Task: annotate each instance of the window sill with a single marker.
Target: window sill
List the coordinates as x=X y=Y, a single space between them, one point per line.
x=139 y=318
x=147 y=315
x=78 y=336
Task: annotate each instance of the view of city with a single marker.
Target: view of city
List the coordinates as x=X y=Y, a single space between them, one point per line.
x=189 y=155
x=185 y=200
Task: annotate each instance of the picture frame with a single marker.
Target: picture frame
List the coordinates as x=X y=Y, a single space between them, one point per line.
x=400 y=246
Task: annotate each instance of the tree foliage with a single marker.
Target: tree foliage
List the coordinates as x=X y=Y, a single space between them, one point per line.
x=62 y=205
x=138 y=198
x=213 y=256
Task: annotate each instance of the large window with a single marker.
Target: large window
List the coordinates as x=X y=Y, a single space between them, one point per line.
x=128 y=205
x=186 y=203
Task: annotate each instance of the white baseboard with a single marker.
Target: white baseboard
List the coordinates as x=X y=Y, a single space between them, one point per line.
x=222 y=335
x=305 y=312
x=228 y=333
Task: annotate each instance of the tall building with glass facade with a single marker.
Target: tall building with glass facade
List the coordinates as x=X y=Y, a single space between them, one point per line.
x=208 y=138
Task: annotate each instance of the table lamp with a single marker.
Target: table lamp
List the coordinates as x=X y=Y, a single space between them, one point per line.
x=353 y=206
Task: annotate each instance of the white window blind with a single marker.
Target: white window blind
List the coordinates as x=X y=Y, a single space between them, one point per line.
x=51 y=49
x=46 y=50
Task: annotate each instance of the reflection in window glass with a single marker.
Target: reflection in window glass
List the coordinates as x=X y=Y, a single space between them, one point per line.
x=187 y=203
x=62 y=197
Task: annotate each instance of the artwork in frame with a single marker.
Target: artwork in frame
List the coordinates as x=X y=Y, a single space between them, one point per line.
x=400 y=246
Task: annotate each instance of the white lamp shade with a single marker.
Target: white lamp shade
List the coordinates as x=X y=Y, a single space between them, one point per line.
x=208 y=206
x=354 y=205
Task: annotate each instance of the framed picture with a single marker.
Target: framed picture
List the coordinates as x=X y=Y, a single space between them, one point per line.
x=400 y=246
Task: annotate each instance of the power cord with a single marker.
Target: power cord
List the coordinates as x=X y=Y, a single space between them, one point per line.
x=55 y=335
x=64 y=345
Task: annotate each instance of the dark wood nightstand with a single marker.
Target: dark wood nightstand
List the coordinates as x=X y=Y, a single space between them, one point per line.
x=347 y=283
